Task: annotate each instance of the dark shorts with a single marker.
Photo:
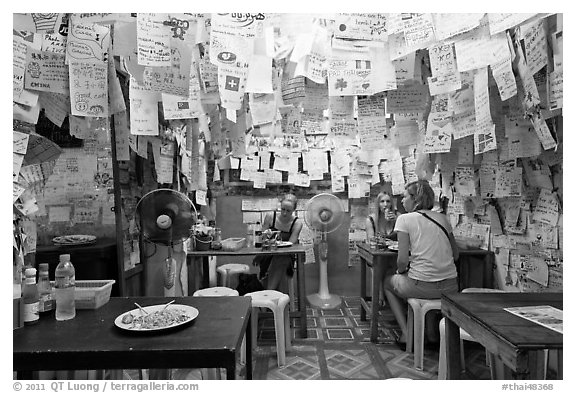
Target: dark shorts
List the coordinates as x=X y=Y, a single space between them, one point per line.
x=407 y=287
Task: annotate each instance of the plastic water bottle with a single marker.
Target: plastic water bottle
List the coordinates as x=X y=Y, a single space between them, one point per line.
x=45 y=291
x=65 y=286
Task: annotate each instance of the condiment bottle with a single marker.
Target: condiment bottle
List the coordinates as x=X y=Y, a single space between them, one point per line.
x=30 y=297
x=47 y=303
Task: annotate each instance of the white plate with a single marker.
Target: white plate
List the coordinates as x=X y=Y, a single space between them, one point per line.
x=72 y=240
x=190 y=312
x=283 y=244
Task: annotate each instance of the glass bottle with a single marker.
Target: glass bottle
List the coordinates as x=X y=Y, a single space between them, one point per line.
x=46 y=304
x=30 y=297
x=217 y=239
x=258 y=234
x=65 y=278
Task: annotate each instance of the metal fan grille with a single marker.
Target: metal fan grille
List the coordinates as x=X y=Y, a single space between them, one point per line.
x=166 y=203
x=324 y=213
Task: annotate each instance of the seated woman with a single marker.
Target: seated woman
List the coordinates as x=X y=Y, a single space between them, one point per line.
x=289 y=226
x=383 y=219
x=426 y=254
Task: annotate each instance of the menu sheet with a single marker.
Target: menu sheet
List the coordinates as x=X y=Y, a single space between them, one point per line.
x=547 y=316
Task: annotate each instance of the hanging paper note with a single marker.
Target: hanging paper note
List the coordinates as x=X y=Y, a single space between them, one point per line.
x=359 y=26
x=87 y=42
x=543 y=131
x=232 y=85
x=174 y=78
x=143 y=110
x=89 y=89
x=501 y=22
x=405 y=99
x=449 y=25
x=508 y=182
x=19 y=95
x=546 y=210
x=504 y=77
x=46 y=71
x=536 y=45
x=153 y=39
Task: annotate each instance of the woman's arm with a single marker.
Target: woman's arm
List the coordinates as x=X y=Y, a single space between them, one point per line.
x=267 y=223
x=403 y=260
x=296 y=231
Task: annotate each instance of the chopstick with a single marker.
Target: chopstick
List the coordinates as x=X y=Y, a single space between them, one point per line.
x=141 y=309
x=167 y=304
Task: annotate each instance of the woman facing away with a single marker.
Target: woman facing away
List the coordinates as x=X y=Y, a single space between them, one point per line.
x=289 y=226
x=426 y=254
x=383 y=220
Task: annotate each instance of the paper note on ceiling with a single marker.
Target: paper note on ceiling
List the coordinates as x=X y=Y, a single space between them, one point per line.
x=504 y=77
x=87 y=42
x=536 y=45
x=361 y=26
x=46 y=71
x=232 y=39
x=449 y=25
x=153 y=38
x=349 y=77
x=481 y=51
x=500 y=22
x=407 y=99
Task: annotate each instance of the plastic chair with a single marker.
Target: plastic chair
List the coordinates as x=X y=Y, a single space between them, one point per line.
x=229 y=270
x=277 y=302
x=417 y=310
x=216 y=291
x=214 y=373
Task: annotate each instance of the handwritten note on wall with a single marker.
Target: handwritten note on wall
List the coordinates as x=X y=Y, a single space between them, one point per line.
x=546 y=210
x=89 y=89
x=153 y=39
x=87 y=42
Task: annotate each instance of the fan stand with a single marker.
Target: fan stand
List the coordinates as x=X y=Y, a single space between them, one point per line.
x=169 y=268
x=324 y=299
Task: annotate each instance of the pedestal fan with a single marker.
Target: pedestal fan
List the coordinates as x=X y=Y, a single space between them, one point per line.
x=324 y=213
x=166 y=217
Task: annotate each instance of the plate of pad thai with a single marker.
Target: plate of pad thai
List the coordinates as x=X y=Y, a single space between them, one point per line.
x=157 y=317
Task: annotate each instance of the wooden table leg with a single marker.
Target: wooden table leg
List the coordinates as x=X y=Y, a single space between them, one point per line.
x=453 y=366
x=205 y=272
x=301 y=296
x=248 y=347
x=362 y=288
x=377 y=275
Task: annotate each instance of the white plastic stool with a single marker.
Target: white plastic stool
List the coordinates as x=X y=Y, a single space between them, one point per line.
x=214 y=373
x=277 y=302
x=417 y=310
x=216 y=291
x=228 y=270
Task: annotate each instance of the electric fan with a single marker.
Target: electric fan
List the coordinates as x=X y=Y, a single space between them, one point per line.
x=324 y=213
x=166 y=217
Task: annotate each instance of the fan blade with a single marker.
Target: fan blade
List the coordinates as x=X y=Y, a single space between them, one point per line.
x=165 y=216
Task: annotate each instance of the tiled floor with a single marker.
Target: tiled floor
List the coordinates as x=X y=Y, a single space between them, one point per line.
x=338 y=347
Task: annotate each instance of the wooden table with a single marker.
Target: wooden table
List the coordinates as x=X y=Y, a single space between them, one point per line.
x=296 y=249
x=383 y=260
x=91 y=341
x=512 y=339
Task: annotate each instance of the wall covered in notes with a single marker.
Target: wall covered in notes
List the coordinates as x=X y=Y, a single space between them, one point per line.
x=230 y=107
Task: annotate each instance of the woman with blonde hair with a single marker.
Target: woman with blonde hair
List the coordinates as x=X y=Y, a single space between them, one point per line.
x=427 y=251
x=383 y=219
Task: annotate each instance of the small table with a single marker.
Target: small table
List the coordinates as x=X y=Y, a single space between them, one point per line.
x=382 y=260
x=91 y=341
x=512 y=339
x=296 y=249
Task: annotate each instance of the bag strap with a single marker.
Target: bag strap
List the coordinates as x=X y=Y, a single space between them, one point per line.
x=437 y=223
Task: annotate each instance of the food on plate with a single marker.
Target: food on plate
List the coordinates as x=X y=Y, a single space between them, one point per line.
x=157 y=319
